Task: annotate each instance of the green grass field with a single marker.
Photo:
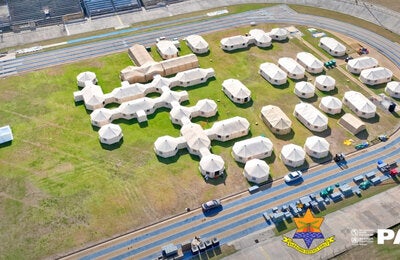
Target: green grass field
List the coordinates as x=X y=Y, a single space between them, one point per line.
x=60 y=189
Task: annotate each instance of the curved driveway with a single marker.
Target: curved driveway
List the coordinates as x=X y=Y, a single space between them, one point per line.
x=278 y=14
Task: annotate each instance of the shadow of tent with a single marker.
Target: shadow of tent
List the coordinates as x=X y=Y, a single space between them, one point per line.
x=363 y=135
x=110 y=147
x=323 y=160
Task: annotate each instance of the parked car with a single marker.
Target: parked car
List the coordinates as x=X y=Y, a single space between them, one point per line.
x=212 y=204
x=292 y=176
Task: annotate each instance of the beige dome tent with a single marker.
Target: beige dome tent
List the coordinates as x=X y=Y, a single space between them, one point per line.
x=393 y=89
x=212 y=166
x=304 y=89
x=276 y=120
x=86 y=76
x=256 y=171
x=293 y=155
x=110 y=134
x=325 y=83
x=316 y=147
x=331 y=105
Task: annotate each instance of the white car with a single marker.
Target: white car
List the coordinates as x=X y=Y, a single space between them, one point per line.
x=292 y=176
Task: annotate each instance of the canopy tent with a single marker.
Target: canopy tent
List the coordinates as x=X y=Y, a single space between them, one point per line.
x=325 y=83
x=256 y=171
x=212 y=166
x=273 y=73
x=358 y=64
x=351 y=123
x=311 y=117
x=331 y=105
x=86 y=76
x=257 y=147
x=6 y=134
x=293 y=155
x=276 y=120
x=316 y=147
x=278 y=34
x=310 y=62
x=293 y=69
x=304 y=89
x=110 y=134
x=376 y=76
x=197 y=44
x=236 y=91
x=359 y=104
x=332 y=46
x=393 y=89
x=166 y=146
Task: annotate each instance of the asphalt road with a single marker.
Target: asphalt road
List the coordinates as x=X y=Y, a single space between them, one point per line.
x=242 y=214
x=278 y=14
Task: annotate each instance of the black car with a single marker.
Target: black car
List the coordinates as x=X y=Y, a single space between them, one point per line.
x=211 y=205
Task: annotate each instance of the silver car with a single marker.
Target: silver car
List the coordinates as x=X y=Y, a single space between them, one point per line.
x=292 y=176
x=211 y=204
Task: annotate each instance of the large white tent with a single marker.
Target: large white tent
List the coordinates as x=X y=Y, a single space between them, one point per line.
x=167 y=49
x=293 y=155
x=293 y=69
x=359 y=104
x=358 y=64
x=304 y=89
x=229 y=129
x=212 y=166
x=325 y=83
x=393 y=89
x=316 y=147
x=257 y=147
x=310 y=62
x=166 y=146
x=279 y=34
x=262 y=39
x=276 y=120
x=197 y=44
x=6 y=134
x=331 y=105
x=376 y=76
x=256 y=171
x=311 y=117
x=332 y=46
x=110 y=134
x=234 y=42
x=236 y=91
x=273 y=73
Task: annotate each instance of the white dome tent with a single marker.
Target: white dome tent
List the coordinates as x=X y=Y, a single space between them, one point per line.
x=316 y=147
x=293 y=69
x=166 y=146
x=293 y=155
x=197 y=44
x=256 y=171
x=236 y=91
x=393 y=89
x=332 y=46
x=257 y=147
x=86 y=76
x=212 y=166
x=331 y=105
x=304 y=89
x=310 y=62
x=325 y=83
x=273 y=73
x=110 y=134
x=279 y=34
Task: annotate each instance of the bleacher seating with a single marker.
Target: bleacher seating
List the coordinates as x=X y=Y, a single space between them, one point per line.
x=99 y=7
x=22 y=11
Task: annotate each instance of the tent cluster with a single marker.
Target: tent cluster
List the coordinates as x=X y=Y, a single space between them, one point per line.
x=255 y=36
x=198 y=142
x=134 y=103
x=146 y=68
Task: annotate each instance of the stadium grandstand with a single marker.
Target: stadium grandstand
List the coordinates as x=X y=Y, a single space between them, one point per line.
x=100 y=7
x=35 y=13
x=157 y=3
